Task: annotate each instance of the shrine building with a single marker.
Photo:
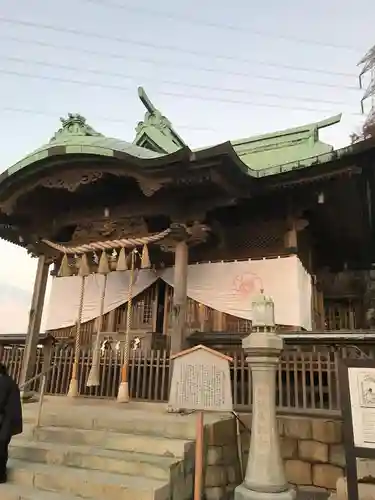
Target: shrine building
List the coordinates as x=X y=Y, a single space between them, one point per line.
x=281 y=212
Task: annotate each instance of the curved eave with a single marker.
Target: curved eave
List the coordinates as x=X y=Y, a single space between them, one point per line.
x=222 y=157
x=156 y=166
x=64 y=155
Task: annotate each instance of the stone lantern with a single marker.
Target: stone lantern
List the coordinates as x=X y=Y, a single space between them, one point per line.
x=265 y=476
x=263 y=311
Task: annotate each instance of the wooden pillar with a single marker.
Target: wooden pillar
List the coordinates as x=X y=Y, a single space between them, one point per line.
x=179 y=297
x=35 y=319
x=291 y=238
x=111 y=323
x=219 y=321
x=155 y=300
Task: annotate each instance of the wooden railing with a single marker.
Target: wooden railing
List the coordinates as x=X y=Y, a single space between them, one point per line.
x=307 y=377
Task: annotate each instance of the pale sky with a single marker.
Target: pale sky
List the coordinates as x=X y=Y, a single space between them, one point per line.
x=219 y=70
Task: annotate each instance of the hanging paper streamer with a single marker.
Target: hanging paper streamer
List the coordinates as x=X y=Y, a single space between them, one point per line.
x=84 y=268
x=103 y=267
x=145 y=259
x=122 y=264
x=65 y=269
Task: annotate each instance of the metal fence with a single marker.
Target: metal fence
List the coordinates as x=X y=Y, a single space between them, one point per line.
x=307 y=377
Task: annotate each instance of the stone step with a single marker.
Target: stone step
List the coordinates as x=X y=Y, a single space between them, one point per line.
x=28 y=430
x=84 y=483
x=15 y=492
x=114 y=418
x=88 y=457
x=112 y=441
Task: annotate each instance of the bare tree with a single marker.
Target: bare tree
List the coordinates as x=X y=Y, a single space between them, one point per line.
x=368 y=66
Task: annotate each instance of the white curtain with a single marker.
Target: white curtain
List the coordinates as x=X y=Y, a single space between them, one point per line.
x=228 y=287
x=65 y=293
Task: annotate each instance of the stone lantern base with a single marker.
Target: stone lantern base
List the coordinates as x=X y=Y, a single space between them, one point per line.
x=242 y=493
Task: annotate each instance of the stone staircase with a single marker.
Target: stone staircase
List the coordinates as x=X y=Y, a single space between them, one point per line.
x=101 y=450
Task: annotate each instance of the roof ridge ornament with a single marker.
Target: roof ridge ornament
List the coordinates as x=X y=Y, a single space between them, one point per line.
x=153 y=116
x=75 y=124
x=154 y=119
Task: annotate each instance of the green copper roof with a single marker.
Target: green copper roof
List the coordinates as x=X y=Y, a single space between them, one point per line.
x=156 y=131
x=76 y=136
x=156 y=140
x=287 y=146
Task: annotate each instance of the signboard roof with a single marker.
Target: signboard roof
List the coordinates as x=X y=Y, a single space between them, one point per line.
x=203 y=348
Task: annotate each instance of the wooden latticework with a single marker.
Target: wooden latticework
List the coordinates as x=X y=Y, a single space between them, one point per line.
x=317 y=304
x=342 y=314
x=143 y=312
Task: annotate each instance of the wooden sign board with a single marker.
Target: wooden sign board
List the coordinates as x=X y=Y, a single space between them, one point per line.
x=201 y=381
x=357 y=391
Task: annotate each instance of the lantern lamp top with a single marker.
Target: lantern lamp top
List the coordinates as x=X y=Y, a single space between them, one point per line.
x=263 y=311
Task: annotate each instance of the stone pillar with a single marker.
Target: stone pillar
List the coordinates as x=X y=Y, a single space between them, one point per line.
x=35 y=319
x=179 y=307
x=265 y=476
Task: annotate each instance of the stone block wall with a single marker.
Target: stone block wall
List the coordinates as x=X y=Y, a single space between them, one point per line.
x=221 y=464
x=312 y=450
x=182 y=475
x=221 y=472
x=311 y=447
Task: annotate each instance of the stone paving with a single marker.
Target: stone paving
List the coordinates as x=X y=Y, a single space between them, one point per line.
x=304 y=495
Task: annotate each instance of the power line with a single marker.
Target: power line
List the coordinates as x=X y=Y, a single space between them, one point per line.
x=169 y=82
x=193 y=66
x=101 y=118
x=79 y=32
x=173 y=94
x=195 y=20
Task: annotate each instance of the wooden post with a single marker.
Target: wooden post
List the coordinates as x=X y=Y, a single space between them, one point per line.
x=179 y=297
x=202 y=317
x=166 y=309
x=35 y=319
x=155 y=301
x=198 y=470
x=111 y=324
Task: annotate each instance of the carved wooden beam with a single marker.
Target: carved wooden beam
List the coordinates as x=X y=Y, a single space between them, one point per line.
x=142 y=208
x=72 y=179
x=193 y=234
